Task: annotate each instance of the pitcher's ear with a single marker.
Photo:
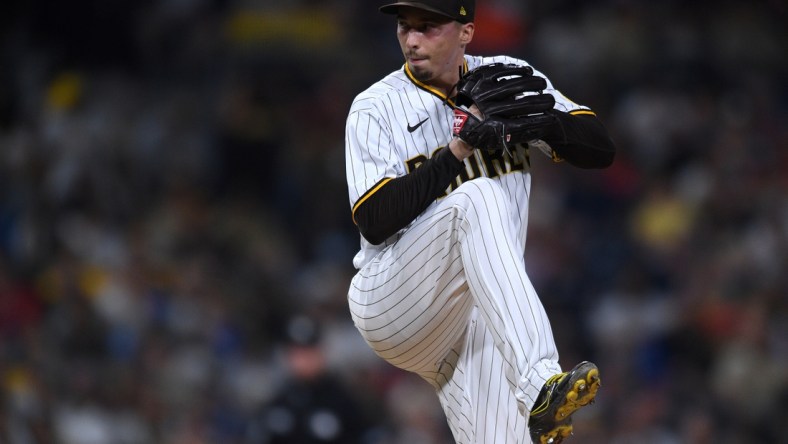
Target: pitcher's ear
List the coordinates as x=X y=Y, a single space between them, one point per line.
x=466 y=34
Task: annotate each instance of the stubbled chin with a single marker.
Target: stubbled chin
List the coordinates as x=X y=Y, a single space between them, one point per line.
x=419 y=73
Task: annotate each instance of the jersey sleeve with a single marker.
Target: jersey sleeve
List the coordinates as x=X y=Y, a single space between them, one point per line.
x=369 y=153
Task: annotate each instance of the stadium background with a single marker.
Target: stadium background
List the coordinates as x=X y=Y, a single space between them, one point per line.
x=172 y=197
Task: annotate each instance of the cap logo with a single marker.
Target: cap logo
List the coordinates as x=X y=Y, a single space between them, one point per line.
x=462 y=10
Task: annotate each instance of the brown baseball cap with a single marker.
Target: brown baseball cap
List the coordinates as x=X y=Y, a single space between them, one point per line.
x=459 y=10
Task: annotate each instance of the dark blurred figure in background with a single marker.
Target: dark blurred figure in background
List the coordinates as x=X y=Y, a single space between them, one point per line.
x=311 y=405
x=145 y=267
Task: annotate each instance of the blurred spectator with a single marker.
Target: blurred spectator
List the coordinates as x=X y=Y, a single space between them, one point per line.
x=311 y=405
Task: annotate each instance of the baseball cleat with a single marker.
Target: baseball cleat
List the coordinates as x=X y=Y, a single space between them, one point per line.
x=551 y=418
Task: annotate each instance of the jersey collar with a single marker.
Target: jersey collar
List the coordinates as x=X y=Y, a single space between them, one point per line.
x=430 y=89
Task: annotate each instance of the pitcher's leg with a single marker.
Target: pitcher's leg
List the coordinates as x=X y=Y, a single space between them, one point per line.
x=411 y=302
x=492 y=256
x=481 y=406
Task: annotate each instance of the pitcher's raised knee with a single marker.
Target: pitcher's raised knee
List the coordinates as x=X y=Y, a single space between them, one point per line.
x=480 y=191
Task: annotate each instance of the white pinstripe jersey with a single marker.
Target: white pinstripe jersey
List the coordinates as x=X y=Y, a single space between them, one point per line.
x=398 y=122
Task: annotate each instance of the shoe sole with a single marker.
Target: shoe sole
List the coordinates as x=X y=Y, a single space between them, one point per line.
x=557 y=435
x=584 y=383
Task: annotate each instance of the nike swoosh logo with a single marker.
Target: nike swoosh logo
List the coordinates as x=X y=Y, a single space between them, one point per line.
x=416 y=126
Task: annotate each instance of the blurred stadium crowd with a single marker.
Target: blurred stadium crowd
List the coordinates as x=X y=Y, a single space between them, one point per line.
x=176 y=241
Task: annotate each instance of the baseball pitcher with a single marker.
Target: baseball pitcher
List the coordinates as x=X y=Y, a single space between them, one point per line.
x=439 y=181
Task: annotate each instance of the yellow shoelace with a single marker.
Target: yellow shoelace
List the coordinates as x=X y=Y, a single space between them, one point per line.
x=553 y=380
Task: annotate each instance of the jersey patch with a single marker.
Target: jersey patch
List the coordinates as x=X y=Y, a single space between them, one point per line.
x=459 y=121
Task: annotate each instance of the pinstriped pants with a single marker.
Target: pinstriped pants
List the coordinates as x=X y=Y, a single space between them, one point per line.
x=451 y=301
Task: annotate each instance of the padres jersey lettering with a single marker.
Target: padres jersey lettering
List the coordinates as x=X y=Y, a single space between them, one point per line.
x=494 y=162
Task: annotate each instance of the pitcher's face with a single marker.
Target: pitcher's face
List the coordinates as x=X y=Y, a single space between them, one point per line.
x=433 y=45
